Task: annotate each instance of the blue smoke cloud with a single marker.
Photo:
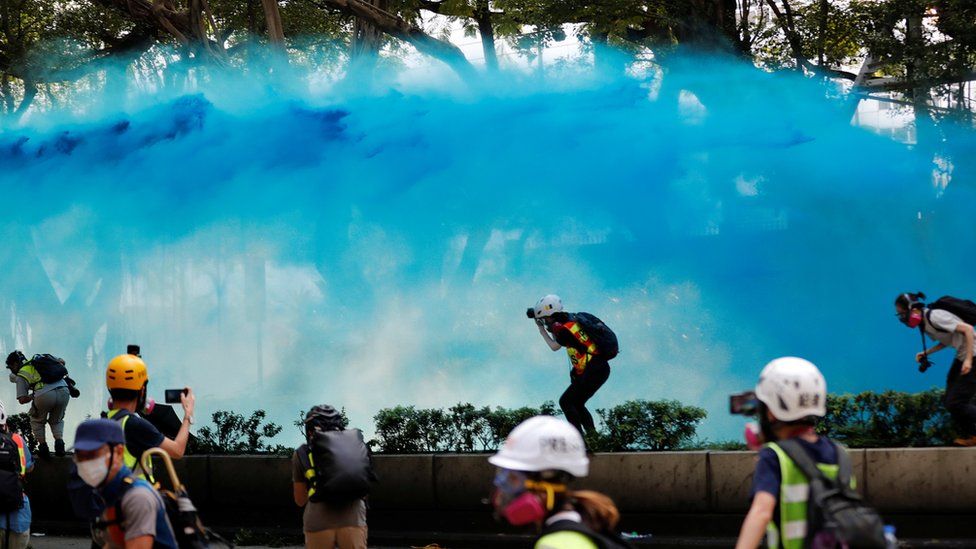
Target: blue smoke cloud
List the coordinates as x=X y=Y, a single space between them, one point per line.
x=276 y=248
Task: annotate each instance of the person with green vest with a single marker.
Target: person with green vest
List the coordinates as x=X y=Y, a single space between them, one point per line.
x=791 y=397
x=127 y=379
x=48 y=401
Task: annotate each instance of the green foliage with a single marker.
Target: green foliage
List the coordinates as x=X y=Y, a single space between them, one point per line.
x=647 y=425
x=888 y=419
x=460 y=428
x=20 y=423
x=631 y=426
x=234 y=434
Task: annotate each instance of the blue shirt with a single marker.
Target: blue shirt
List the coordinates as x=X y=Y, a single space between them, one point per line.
x=20 y=521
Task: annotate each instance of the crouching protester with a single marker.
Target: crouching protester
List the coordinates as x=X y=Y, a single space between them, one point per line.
x=803 y=487
x=15 y=511
x=134 y=515
x=948 y=320
x=331 y=476
x=541 y=456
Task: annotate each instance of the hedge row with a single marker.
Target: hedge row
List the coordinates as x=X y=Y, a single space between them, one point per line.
x=865 y=420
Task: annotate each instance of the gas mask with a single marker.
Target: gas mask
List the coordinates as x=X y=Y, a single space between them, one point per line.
x=913 y=318
x=516 y=499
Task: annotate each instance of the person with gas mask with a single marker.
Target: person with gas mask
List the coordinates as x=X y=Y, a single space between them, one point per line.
x=789 y=400
x=590 y=345
x=135 y=515
x=949 y=321
x=127 y=379
x=538 y=461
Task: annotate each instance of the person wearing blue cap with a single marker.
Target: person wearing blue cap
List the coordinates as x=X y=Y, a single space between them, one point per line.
x=15 y=511
x=135 y=516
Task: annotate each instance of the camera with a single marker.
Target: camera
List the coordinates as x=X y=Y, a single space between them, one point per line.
x=743 y=404
x=173 y=395
x=530 y=312
x=924 y=364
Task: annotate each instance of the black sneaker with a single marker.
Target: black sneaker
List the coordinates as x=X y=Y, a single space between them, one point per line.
x=43 y=450
x=59 y=448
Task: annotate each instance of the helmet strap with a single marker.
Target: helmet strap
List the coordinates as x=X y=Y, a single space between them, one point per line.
x=549 y=488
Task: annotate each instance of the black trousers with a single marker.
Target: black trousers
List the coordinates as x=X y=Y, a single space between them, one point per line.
x=581 y=388
x=959 y=393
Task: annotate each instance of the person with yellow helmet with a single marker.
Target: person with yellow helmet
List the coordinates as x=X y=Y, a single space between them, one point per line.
x=127 y=378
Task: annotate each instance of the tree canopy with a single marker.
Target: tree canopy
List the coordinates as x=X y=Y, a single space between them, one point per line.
x=923 y=49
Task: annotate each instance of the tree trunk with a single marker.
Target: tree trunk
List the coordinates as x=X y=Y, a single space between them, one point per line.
x=7 y=94
x=822 y=32
x=367 y=38
x=397 y=27
x=272 y=17
x=707 y=24
x=30 y=92
x=487 y=31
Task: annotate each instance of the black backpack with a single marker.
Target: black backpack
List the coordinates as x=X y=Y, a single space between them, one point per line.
x=834 y=506
x=602 y=540
x=49 y=367
x=11 y=483
x=963 y=308
x=600 y=333
x=342 y=463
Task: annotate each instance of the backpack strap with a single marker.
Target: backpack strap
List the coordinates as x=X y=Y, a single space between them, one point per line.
x=928 y=319
x=802 y=459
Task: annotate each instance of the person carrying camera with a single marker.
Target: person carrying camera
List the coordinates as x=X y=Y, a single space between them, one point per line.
x=590 y=345
x=949 y=321
x=127 y=379
x=48 y=397
x=789 y=399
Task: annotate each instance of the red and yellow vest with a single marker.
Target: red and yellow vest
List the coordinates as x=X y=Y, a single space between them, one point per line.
x=19 y=441
x=579 y=359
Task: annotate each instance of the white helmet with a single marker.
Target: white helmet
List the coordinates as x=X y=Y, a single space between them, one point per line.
x=792 y=388
x=548 y=305
x=3 y=414
x=543 y=443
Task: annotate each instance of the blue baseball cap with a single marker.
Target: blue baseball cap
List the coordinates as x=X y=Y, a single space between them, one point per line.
x=95 y=433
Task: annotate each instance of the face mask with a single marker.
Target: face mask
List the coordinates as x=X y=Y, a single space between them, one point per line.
x=525 y=509
x=94 y=471
x=914 y=318
x=754 y=438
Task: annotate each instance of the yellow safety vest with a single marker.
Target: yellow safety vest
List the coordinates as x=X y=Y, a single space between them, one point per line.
x=31 y=376
x=131 y=461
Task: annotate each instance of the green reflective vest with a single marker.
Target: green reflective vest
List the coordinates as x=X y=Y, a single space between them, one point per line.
x=31 y=376
x=565 y=540
x=131 y=461
x=794 y=492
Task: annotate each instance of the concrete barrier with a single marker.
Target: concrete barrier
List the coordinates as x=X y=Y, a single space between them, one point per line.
x=256 y=491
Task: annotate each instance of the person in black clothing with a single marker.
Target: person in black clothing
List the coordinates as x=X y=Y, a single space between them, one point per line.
x=590 y=369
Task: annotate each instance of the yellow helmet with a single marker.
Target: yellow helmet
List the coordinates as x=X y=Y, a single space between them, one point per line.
x=126 y=372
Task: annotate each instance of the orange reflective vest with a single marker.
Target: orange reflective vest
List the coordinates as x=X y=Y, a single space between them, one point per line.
x=19 y=441
x=579 y=359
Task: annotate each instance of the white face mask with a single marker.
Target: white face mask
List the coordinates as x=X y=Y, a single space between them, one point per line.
x=93 y=471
